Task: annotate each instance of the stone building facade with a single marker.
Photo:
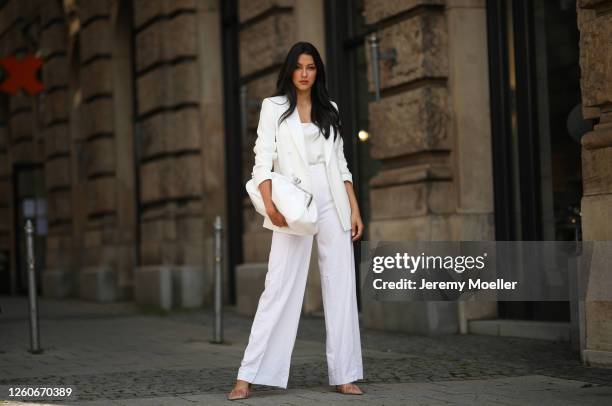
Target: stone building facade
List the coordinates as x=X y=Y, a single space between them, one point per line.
x=595 y=24
x=130 y=140
x=436 y=177
x=129 y=131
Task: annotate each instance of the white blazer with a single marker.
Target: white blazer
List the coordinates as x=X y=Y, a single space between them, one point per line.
x=291 y=158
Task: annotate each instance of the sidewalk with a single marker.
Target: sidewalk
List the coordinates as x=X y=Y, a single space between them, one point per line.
x=114 y=354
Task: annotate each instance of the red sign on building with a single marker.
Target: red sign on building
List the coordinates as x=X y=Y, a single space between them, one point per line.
x=21 y=74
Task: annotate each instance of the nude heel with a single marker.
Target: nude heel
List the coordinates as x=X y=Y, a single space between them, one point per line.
x=243 y=393
x=346 y=391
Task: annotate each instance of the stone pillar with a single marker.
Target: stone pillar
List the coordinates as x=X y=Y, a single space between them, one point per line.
x=270 y=28
x=212 y=138
x=181 y=148
x=105 y=145
x=431 y=131
x=58 y=276
x=595 y=27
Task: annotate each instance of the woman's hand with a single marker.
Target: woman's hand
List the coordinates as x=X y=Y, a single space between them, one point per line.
x=356 y=225
x=276 y=216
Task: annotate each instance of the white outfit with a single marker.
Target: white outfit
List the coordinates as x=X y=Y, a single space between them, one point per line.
x=291 y=157
x=267 y=356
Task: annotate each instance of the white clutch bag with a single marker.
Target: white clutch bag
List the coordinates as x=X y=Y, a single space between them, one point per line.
x=294 y=203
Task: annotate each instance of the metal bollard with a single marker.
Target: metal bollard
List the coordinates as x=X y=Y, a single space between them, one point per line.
x=218 y=255
x=34 y=333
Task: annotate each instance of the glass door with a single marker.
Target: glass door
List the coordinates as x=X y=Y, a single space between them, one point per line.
x=535 y=90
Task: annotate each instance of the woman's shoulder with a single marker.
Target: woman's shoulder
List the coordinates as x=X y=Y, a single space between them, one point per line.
x=281 y=100
x=276 y=100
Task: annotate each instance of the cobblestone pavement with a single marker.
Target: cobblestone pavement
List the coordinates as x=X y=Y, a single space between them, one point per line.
x=121 y=354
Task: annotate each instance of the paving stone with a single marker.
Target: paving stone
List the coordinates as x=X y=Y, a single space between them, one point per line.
x=121 y=354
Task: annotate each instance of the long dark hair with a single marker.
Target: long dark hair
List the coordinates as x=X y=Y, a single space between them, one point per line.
x=322 y=113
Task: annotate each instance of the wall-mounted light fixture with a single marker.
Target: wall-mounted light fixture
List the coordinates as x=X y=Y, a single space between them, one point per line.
x=363 y=135
x=376 y=57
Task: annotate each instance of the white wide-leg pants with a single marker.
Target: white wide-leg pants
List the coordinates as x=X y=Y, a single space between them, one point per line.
x=267 y=356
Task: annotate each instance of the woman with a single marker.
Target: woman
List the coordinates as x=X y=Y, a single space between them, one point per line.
x=305 y=124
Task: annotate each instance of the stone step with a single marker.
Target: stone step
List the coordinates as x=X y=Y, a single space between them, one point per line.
x=541 y=330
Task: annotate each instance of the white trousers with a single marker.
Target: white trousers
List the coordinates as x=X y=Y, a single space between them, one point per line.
x=267 y=356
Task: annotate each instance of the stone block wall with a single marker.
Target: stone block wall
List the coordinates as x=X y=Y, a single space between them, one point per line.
x=595 y=25
x=133 y=90
x=52 y=120
x=425 y=123
x=169 y=132
x=431 y=132
x=103 y=139
x=179 y=121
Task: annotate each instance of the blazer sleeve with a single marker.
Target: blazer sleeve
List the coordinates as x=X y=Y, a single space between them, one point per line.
x=264 y=144
x=339 y=146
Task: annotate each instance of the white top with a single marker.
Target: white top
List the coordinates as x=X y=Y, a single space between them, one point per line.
x=313 y=139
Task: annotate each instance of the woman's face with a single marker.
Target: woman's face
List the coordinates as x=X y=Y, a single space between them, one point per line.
x=305 y=73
